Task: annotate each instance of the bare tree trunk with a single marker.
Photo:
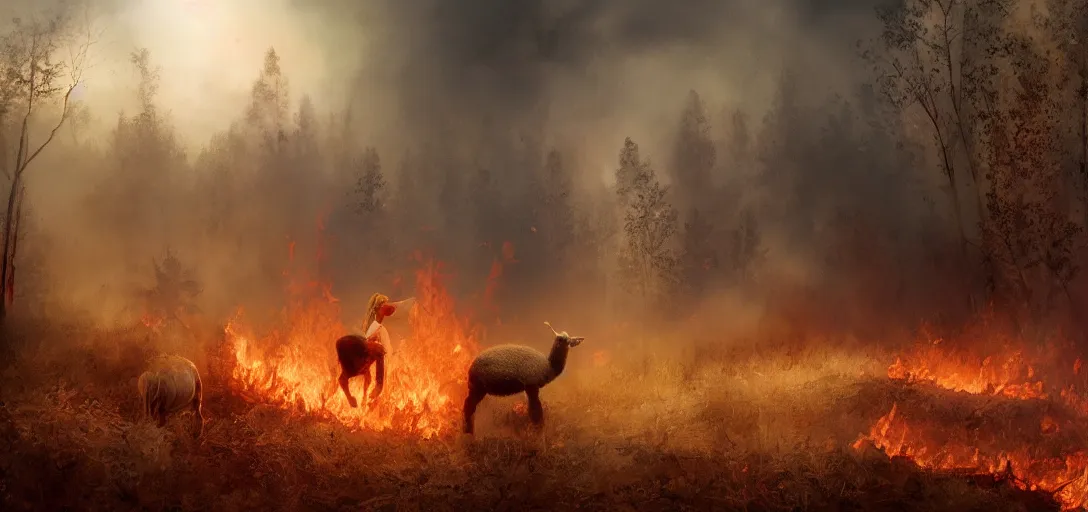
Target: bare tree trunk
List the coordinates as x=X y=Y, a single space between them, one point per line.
x=1082 y=94
x=7 y=269
x=9 y=283
x=39 y=85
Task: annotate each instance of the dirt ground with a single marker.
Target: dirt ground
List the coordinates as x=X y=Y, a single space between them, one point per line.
x=743 y=429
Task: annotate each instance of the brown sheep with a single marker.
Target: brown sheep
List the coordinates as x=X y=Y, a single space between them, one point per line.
x=170 y=385
x=355 y=354
x=506 y=370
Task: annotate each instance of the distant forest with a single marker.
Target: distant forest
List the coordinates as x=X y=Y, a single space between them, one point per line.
x=951 y=182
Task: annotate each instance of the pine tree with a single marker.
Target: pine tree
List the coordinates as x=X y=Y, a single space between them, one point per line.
x=699 y=257
x=647 y=262
x=694 y=155
x=136 y=197
x=631 y=173
x=747 y=247
x=306 y=133
x=556 y=221
x=370 y=185
x=369 y=240
x=413 y=201
x=269 y=101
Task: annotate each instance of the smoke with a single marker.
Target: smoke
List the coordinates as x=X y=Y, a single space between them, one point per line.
x=474 y=93
x=594 y=70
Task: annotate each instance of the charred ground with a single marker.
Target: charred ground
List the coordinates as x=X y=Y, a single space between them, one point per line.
x=766 y=429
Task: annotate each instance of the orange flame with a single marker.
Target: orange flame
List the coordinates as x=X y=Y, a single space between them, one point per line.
x=294 y=365
x=1008 y=374
x=495 y=275
x=1032 y=469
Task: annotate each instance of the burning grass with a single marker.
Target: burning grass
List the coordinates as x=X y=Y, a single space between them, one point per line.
x=774 y=428
x=294 y=363
x=999 y=409
x=759 y=431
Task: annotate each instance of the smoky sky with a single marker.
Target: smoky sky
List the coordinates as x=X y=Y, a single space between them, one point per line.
x=500 y=57
x=482 y=76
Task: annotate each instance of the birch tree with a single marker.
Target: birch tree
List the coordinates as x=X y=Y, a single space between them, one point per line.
x=42 y=62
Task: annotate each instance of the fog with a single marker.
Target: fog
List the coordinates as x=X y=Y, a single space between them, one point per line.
x=821 y=203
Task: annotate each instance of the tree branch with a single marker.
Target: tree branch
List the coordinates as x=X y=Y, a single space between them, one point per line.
x=77 y=63
x=65 y=110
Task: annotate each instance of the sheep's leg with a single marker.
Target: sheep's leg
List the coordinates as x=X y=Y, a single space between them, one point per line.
x=343 y=380
x=536 y=409
x=366 y=381
x=379 y=372
x=474 y=399
x=198 y=406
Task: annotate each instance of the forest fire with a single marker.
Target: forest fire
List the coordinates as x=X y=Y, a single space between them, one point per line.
x=294 y=365
x=1008 y=374
x=1025 y=442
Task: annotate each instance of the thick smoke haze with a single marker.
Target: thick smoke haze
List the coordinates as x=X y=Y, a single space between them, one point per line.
x=462 y=102
x=797 y=238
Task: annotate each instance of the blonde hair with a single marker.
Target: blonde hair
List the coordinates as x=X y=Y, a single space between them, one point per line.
x=376 y=302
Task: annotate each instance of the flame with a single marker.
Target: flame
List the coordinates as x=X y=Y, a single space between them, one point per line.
x=1031 y=467
x=1007 y=373
x=494 y=276
x=294 y=364
x=152 y=322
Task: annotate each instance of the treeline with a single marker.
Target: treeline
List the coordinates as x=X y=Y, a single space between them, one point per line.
x=1001 y=88
x=952 y=181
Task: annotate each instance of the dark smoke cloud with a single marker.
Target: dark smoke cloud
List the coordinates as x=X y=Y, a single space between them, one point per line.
x=469 y=60
x=482 y=87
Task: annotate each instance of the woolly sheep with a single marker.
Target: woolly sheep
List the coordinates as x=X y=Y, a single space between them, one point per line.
x=506 y=370
x=355 y=354
x=170 y=385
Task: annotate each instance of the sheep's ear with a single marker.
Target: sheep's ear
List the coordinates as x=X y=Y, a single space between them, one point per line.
x=552 y=328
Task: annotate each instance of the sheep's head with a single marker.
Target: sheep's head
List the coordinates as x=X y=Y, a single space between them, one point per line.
x=563 y=337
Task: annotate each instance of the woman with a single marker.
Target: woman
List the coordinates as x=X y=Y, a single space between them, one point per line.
x=357 y=353
x=377 y=309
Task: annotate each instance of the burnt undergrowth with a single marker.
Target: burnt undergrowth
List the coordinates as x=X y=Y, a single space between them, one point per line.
x=754 y=435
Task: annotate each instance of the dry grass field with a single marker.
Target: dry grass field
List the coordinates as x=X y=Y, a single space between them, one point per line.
x=768 y=429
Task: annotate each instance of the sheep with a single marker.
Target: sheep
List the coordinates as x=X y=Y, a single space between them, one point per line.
x=506 y=370
x=355 y=354
x=170 y=385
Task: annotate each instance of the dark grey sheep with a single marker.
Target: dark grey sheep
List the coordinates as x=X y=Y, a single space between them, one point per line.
x=506 y=370
x=171 y=384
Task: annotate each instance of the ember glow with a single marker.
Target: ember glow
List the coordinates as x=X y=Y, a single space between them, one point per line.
x=152 y=322
x=294 y=364
x=1038 y=456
